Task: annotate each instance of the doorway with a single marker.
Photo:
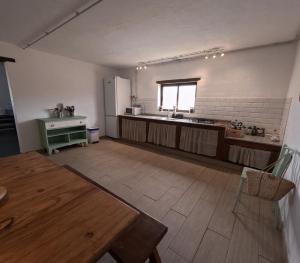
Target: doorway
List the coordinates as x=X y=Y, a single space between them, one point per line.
x=9 y=144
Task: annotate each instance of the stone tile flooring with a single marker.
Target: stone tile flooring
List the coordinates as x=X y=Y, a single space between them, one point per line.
x=193 y=199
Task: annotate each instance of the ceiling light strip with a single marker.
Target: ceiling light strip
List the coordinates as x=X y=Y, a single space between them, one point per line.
x=75 y=14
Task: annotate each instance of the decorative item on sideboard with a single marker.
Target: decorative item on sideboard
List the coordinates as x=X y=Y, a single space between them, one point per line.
x=60 y=111
x=70 y=111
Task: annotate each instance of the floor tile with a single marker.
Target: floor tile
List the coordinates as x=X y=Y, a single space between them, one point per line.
x=190 y=198
x=191 y=233
x=213 y=248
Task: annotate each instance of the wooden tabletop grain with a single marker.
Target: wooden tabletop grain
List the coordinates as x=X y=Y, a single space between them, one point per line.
x=55 y=215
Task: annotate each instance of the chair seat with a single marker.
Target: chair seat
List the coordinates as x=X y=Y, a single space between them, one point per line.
x=245 y=170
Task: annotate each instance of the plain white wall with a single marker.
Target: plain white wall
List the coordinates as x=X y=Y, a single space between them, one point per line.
x=40 y=80
x=4 y=91
x=260 y=72
x=291 y=205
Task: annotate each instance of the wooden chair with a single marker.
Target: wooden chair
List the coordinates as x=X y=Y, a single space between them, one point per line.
x=279 y=168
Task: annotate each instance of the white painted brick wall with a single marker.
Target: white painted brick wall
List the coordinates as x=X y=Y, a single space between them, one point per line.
x=268 y=113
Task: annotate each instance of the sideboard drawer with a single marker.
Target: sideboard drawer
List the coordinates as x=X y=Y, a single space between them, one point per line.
x=64 y=124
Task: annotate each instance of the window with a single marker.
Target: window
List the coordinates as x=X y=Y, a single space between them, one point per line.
x=182 y=95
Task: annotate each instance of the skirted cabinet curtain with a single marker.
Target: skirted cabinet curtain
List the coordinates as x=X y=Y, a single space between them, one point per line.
x=249 y=157
x=162 y=134
x=134 y=130
x=200 y=141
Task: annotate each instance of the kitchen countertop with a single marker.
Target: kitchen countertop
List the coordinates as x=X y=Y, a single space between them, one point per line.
x=256 y=139
x=165 y=118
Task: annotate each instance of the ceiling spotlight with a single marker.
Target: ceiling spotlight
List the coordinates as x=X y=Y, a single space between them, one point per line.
x=140 y=68
x=145 y=67
x=222 y=54
x=214 y=56
x=206 y=57
x=137 y=68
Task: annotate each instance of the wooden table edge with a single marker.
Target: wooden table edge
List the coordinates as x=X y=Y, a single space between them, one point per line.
x=117 y=197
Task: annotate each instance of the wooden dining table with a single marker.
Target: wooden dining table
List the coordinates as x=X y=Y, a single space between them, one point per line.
x=51 y=214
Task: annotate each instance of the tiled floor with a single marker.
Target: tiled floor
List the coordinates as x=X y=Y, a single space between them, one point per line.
x=194 y=200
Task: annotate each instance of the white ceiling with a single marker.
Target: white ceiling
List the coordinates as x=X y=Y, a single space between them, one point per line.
x=124 y=32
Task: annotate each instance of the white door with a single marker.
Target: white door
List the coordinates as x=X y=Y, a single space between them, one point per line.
x=110 y=97
x=123 y=94
x=111 y=126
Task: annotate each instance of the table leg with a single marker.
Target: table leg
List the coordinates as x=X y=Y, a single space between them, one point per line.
x=154 y=257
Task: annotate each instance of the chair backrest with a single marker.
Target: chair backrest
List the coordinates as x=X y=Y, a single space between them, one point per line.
x=284 y=161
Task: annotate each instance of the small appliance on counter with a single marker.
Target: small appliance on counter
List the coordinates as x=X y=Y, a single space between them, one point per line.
x=133 y=110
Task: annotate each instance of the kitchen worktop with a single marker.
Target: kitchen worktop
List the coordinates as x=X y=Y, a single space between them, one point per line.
x=256 y=139
x=166 y=119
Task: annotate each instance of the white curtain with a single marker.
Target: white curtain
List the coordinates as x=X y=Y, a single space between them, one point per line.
x=134 y=130
x=197 y=140
x=249 y=157
x=162 y=134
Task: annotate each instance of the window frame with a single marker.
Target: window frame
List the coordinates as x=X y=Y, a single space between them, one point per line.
x=162 y=85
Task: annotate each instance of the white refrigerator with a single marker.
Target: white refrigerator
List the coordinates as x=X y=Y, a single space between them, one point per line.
x=117 y=96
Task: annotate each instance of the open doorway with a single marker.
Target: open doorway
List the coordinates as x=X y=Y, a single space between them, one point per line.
x=9 y=144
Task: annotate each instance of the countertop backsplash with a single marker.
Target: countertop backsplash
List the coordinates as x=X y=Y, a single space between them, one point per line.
x=268 y=113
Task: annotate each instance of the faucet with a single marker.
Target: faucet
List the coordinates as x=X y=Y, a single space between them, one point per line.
x=174 y=112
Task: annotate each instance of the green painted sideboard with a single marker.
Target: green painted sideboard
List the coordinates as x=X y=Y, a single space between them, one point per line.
x=61 y=132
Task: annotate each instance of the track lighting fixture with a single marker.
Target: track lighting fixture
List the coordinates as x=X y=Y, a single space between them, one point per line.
x=141 y=67
x=204 y=54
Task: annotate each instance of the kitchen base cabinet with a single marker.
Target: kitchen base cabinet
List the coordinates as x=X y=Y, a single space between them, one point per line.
x=162 y=134
x=133 y=130
x=200 y=141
